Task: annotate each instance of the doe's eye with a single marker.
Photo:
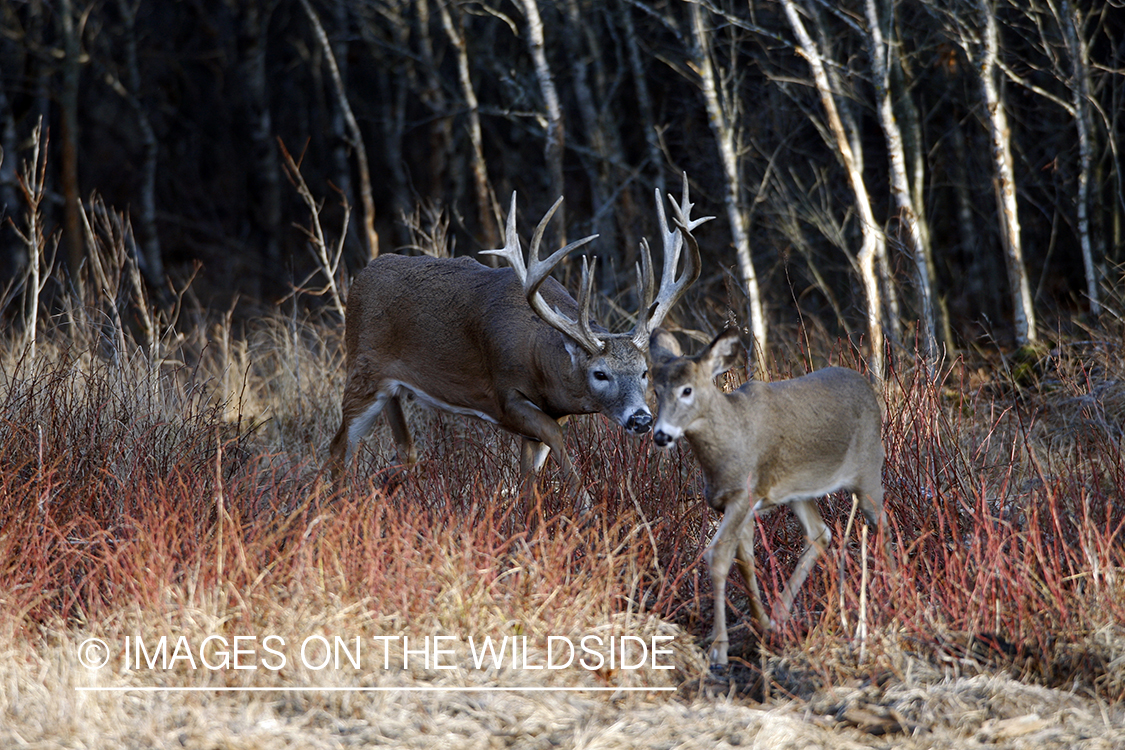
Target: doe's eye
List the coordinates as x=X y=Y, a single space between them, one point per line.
x=686 y=392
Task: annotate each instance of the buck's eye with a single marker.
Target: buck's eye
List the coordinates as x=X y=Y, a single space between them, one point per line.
x=644 y=375
x=600 y=375
x=686 y=392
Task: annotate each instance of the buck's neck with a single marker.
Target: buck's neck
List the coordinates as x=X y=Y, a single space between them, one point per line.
x=560 y=373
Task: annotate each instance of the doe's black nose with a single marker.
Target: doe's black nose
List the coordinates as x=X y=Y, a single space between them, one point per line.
x=662 y=438
x=639 y=422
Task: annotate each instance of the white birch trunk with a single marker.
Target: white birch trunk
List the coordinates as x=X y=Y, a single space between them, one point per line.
x=900 y=183
x=1023 y=312
x=872 y=238
x=723 y=130
x=1080 y=95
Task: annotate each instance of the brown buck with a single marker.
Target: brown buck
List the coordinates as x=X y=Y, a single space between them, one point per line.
x=509 y=345
x=785 y=442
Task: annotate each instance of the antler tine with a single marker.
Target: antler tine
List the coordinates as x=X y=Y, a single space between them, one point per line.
x=671 y=288
x=645 y=281
x=538 y=270
x=535 y=272
x=511 y=252
x=584 y=295
x=682 y=210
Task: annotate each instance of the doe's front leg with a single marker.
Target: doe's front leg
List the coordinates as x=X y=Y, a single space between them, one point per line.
x=720 y=556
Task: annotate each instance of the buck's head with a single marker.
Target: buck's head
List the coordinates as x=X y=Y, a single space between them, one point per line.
x=617 y=380
x=684 y=385
x=616 y=365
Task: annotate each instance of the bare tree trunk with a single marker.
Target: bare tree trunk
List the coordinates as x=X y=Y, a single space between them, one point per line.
x=68 y=102
x=1080 y=97
x=432 y=94
x=644 y=98
x=338 y=128
x=915 y=148
x=872 y=239
x=153 y=265
x=900 y=183
x=12 y=257
x=553 y=152
x=598 y=136
x=266 y=175
x=366 y=198
x=487 y=209
x=1023 y=311
x=723 y=128
x=616 y=172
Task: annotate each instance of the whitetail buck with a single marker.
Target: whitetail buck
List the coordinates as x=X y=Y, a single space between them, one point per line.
x=785 y=442
x=507 y=345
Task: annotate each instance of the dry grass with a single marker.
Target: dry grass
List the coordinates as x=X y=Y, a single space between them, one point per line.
x=165 y=484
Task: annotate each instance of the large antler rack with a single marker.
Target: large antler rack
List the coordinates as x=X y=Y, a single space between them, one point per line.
x=652 y=311
x=537 y=270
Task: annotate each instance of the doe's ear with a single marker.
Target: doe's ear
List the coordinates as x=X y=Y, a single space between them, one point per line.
x=662 y=346
x=722 y=354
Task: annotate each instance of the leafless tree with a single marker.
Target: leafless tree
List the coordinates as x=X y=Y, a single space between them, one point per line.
x=722 y=103
x=266 y=175
x=555 y=137
x=153 y=261
x=357 y=144
x=983 y=49
x=872 y=237
x=1070 y=21
x=69 y=19
x=882 y=57
x=488 y=210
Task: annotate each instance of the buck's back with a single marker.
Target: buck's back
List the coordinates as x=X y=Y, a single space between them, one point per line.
x=454 y=316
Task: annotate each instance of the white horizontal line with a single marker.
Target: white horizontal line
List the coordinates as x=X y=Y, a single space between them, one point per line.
x=370 y=689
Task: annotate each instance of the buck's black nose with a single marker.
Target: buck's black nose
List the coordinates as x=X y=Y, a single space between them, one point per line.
x=639 y=422
x=661 y=438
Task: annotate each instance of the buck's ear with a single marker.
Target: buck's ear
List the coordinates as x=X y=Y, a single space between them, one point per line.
x=723 y=353
x=662 y=346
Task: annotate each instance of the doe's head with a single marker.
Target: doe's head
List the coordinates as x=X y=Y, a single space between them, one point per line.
x=684 y=385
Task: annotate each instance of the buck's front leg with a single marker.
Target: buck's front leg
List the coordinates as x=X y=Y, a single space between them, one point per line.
x=720 y=556
x=542 y=436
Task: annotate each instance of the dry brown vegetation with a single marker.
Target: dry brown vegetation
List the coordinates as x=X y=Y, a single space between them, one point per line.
x=166 y=485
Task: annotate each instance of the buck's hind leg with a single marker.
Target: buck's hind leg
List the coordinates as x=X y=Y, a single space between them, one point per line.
x=401 y=432
x=362 y=403
x=533 y=455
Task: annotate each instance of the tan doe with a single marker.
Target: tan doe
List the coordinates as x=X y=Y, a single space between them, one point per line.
x=506 y=345
x=781 y=443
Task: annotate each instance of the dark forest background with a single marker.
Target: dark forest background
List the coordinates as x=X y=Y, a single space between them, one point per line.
x=180 y=112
